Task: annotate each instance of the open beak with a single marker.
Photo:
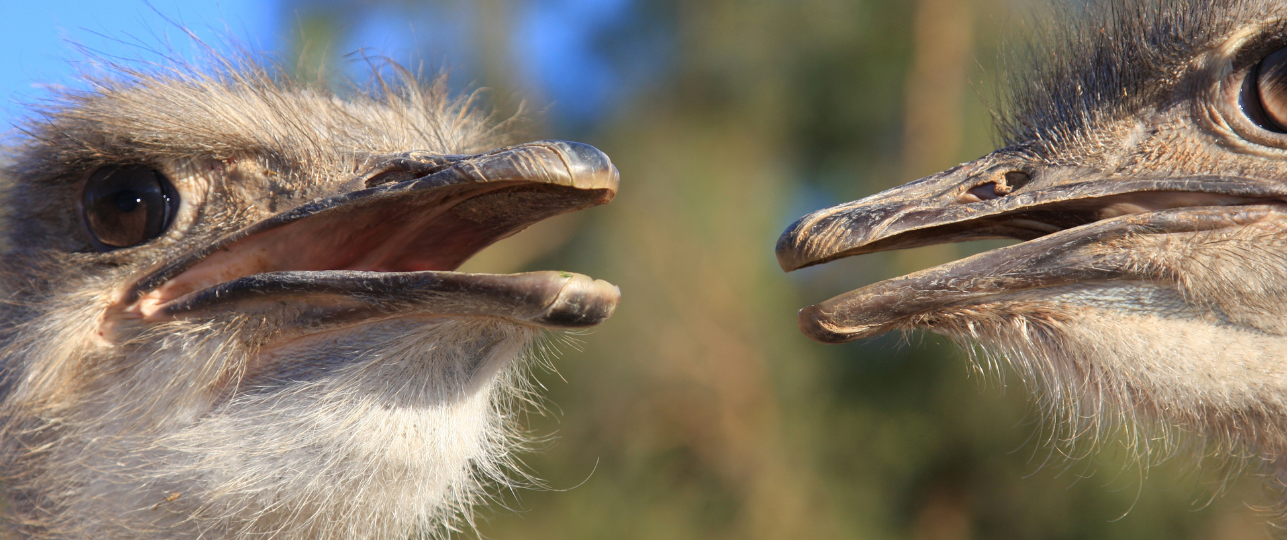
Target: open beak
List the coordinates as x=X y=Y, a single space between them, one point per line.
x=1067 y=215
x=386 y=244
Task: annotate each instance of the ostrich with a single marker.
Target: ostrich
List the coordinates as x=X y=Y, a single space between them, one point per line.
x=1144 y=169
x=230 y=308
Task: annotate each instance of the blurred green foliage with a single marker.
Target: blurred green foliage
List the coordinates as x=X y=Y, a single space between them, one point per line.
x=698 y=410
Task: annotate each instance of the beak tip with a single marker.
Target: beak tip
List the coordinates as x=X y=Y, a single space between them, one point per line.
x=582 y=302
x=788 y=249
x=589 y=167
x=817 y=325
x=787 y=261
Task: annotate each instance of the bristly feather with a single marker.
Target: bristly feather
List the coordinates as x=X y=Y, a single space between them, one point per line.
x=1102 y=368
x=398 y=440
x=1143 y=176
x=1070 y=76
x=1109 y=60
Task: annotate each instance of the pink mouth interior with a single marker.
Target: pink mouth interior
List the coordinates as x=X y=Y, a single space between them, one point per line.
x=430 y=232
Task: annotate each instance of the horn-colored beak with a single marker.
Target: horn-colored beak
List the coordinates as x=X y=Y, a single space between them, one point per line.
x=387 y=242
x=1063 y=213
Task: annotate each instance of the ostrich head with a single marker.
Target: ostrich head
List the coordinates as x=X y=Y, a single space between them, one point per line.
x=1145 y=172
x=230 y=306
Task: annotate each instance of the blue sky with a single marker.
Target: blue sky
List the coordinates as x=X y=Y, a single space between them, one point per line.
x=39 y=37
x=553 y=43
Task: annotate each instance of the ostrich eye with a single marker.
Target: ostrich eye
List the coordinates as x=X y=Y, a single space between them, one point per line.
x=1264 y=94
x=127 y=205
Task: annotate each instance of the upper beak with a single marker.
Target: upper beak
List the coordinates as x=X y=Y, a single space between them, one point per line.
x=387 y=242
x=1064 y=211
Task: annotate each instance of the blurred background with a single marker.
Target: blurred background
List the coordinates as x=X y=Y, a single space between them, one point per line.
x=699 y=411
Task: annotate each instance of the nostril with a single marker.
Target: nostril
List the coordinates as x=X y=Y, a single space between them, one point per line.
x=1015 y=180
x=389 y=177
x=1000 y=187
x=985 y=192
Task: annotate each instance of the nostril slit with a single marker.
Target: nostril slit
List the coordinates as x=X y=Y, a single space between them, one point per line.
x=1000 y=187
x=1016 y=180
x=985 y=192
x=388 y=177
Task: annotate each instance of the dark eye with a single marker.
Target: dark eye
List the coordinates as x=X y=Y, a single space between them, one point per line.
x=127 y=205
x=1264 y=93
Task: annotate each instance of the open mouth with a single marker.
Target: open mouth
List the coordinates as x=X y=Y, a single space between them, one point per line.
x=389 y=243
x=1077 y=227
